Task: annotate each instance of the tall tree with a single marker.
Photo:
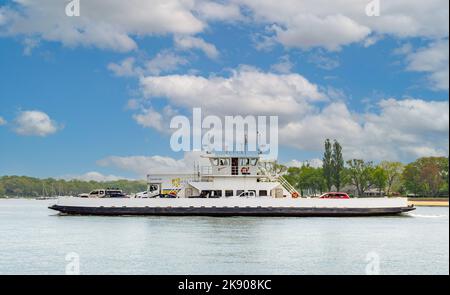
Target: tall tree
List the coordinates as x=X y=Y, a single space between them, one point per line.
x=394 y=172
x=431 y=170
x=338 y=165
x=379 y=178
x=360 y=174
x=327 y=165
x=411 y=179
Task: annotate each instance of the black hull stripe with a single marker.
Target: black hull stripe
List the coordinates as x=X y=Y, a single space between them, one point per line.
x=208 y=211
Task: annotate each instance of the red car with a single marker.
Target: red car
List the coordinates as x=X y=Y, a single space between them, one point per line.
x=334 y=195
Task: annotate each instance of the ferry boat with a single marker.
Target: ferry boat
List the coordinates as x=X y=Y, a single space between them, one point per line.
x=231 y=185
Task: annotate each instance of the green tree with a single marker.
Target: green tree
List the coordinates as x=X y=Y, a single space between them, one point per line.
x=293 y=177
x=360 y=174
x=431 y=171
x=306 y=179
x=394 y=172
x=327 y=165
x=411 y=178
x=338 y=165
x=22 y=186
x=2 y=191
x=379 y=178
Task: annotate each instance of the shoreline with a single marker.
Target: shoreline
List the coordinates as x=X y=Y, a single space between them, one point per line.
x=439 y=202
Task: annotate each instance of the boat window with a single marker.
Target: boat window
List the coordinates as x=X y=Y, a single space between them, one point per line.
x=263 y=193
x=228 y=193
x=215 y=162
x=218 y=193
x=224 y=162
x=239 y=192
x=254 y=161
x=94 y=193
x=245 y=162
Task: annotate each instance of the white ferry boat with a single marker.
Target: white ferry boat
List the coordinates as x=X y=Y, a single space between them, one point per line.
x=232 y=185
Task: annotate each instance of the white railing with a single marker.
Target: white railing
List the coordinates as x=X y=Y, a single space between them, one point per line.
x=288 y=186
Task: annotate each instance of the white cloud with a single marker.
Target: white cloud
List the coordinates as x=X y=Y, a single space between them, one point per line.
x=400 y=129
x=331 y=25
x=2 y=121
x=307 y=116
x=218 y=11
x=315 y=163
x=433 y=60
x=284 y=66
x=35 y=123
x=163 y=62
x=104 y=24
x=246 y=91
x=126 y=68
x=116 y=24
x=158 y=120
x=307 y=31
x=142 y=165
x=189 y=42
x=94 y=176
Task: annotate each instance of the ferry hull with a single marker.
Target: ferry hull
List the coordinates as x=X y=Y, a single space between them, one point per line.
x=234 y=211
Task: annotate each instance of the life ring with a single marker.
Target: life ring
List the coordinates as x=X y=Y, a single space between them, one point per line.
x=295 y=195
x=244 y=170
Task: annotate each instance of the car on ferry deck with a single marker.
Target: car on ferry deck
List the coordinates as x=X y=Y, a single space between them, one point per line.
x=334 y=195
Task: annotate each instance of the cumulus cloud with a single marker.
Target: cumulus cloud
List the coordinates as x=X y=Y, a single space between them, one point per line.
x=340 y=30
x=35 y=123
x=393 y=129
x=165 y=61
x=433 y=60
x=2 y=121
x=189 y=42
x=315 y=163
x=103 y=24
x=246 y=91
x=94 y=176
x=158 y=120
x=331 y=25
x=284 y=66
x=401 y=129
x=211 y=10
x=115 y=24
x=125 y=68
x=142 y=165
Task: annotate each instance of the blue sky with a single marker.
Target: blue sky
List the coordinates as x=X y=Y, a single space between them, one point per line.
x=69 y=105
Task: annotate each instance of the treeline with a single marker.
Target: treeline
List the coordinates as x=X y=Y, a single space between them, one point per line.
x=425 y=177
x=27 y=187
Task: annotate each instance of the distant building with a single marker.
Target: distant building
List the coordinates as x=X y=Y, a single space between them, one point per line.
x=374 y=193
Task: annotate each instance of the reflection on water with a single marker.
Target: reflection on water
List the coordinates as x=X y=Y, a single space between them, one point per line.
x=35 y=240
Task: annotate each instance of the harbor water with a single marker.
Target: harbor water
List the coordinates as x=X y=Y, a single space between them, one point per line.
x=36 y=240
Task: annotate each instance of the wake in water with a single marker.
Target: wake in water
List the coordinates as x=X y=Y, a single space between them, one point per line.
x=426 y=216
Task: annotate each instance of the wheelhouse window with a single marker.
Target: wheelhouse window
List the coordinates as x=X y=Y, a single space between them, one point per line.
x=245 y=162
x=263 y=193
x=228 y=193
x=224 y=162
x=254 y=161
x=215 y=162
